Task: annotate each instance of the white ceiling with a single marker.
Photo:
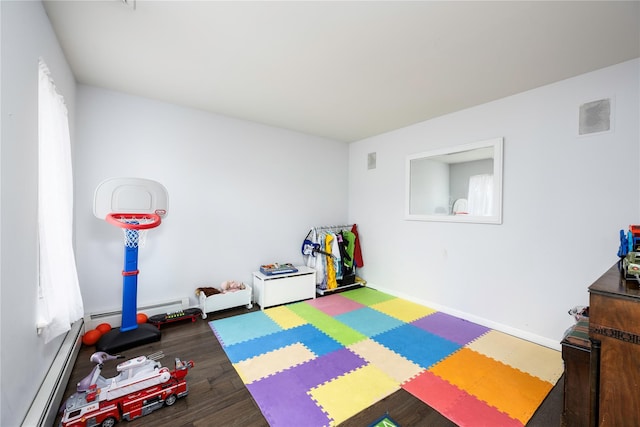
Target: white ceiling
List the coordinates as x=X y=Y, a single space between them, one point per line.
x=339 y=69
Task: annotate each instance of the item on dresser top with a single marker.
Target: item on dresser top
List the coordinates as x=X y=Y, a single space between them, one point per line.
x=578 y=334
x=579 y=312
x=631 y=266
x=276 y=268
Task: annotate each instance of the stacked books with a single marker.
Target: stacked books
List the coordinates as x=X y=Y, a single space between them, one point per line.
x=270 y=269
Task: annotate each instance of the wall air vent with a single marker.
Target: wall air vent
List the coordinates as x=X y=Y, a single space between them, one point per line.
x=371 y=161
x=594 y=117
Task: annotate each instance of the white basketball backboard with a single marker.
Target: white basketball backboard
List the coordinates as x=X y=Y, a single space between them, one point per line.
x=130 y=195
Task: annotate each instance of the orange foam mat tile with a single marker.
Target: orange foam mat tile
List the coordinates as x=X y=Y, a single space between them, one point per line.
x=455 y=404
x=510 y=390
x=539 y=361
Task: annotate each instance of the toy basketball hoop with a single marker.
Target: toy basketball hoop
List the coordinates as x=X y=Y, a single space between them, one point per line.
x=136 y=205
x=134 y=226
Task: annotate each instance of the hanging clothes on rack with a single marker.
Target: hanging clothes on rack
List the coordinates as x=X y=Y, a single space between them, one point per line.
x=334 y=252
x=349 y=246
x=321 y=265
x=331 y=268
x=357 y=251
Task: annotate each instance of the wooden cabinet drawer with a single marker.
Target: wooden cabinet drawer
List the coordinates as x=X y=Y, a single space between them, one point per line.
x=617 y=313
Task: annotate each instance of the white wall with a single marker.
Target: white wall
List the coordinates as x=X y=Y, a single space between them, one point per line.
x=241 y=194
x=565 y=199
x=24 y=359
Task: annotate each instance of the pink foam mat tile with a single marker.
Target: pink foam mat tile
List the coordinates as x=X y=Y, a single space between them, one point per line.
x=456 y=404
x=334 y=305
x=471 y=412
x=434 y=391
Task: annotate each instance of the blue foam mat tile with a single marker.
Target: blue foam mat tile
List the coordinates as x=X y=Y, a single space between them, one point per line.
x=368 y=321
x=233 y=330
x=417 y=345
x=306 y=334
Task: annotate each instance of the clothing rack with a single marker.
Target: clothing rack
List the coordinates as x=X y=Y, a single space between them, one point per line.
x=343 y=284
x=331 y=227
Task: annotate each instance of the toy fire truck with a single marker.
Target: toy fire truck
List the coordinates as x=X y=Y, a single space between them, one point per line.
x=141 y=386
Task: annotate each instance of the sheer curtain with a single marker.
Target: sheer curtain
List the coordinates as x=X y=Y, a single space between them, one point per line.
x=480 y=198
x=59 y=302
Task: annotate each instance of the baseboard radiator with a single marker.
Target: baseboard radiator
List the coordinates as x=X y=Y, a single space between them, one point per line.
x=114 y=317
x=44 y=407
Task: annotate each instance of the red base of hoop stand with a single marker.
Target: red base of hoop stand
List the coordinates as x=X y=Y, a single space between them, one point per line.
x=116 y=340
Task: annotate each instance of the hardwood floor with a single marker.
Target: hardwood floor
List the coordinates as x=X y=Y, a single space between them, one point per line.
x=217 y=396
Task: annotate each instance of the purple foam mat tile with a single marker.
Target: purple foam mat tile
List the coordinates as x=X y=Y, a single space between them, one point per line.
x=322 y=369
x=276 y=394
x=334 y=304
x=451 y=328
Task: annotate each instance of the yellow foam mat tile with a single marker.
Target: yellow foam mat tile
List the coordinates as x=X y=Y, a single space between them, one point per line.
x=351 y=393
x=539 y=361
x=394 y=365
x=284 y=317
x=262 y=366
x=404 y=310
x=511 y=391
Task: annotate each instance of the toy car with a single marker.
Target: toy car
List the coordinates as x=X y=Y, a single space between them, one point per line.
x=631 y=265
x=141 y=386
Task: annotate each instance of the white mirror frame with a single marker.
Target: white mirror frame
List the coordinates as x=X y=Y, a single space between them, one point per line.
x=491 y=148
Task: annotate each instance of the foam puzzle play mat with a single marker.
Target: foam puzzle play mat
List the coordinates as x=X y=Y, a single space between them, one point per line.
x=321 y=361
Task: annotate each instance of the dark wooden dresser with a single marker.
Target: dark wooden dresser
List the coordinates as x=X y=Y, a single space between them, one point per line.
x=614 y=331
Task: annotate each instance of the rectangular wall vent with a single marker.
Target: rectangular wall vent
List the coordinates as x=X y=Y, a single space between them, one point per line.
x=371 y=161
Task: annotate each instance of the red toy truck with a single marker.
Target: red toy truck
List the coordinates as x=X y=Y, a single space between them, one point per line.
x=141 y=386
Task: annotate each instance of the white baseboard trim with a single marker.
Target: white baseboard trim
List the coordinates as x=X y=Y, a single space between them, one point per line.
x=525 y=335
x=114 y=317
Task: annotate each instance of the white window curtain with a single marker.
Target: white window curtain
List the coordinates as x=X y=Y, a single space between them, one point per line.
x=60 y=301
x=480 y=197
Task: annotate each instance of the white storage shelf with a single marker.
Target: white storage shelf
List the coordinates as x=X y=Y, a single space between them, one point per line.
x=225 y=300
x=284 y=288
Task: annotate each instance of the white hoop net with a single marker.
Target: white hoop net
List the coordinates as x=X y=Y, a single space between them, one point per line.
x=134 y=238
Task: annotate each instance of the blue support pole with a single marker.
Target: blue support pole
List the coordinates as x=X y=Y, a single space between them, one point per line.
x=130 y=334
x=130 y=287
